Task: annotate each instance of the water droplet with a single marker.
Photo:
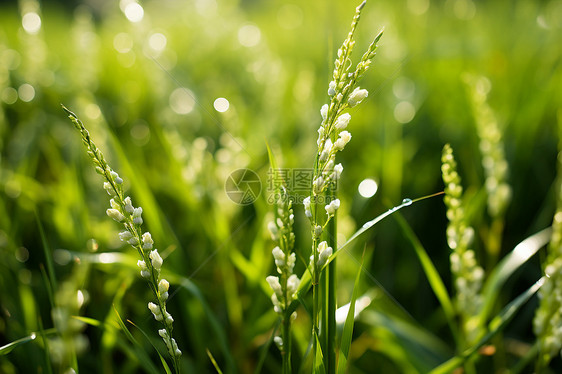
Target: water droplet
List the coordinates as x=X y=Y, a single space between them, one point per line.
x=407 y=202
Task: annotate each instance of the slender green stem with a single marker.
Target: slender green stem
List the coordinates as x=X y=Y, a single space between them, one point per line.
x=331 y=302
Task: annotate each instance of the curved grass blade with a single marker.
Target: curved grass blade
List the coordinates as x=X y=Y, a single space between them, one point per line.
x=347 y=333
x=305 y=283
x=5 y=349
x=507 y=266
x=214 y=362
x=433 y=277
x=497 y=324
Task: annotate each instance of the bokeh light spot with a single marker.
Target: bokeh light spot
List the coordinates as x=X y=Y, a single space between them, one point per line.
x=368 y=188
x=134 y=12
x=404 y=112
x=221 y=104
x=403 y=88
x=26 y=92
x=9 y=95
x=182 y=101
x=122 y=42
x=418 y=7
x=249 y=35
x=157 y=41
x=31 y=22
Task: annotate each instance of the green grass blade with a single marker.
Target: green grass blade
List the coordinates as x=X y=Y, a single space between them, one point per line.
x=347 y=333
x=49 y=262
x=497 y=324
x=431 y=273
x=5 y=349
x=507 y=266
x=214 y=362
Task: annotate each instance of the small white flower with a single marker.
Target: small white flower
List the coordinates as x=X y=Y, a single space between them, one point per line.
x=133 y=241
x=163 y=287
x=344 y=138
x=273 y=230
x=125 y=235
x=114 y=204
x=279 y=257
x=318 y=231
x=128 y=205
x=275 y=286
x=137 y=219
x=342 y=121
x=155 y=309
x=115 y=214
x=357 y=96
x=318 y=184
x=320 y=135
x=291 y=262
x=147 y=241
x=324 y=252
x=164 y=334
x=337 y=171
x=278 y=341
x=332 y=88
x=156 y=259
x=339 y=97
x=324 y=111
x=108 y=188
x=332 y=207
x=116 y=177
x=144 y=270
x=293 y=285
x=306 y=203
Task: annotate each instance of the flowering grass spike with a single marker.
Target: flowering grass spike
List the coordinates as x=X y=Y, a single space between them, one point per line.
x=123 y=211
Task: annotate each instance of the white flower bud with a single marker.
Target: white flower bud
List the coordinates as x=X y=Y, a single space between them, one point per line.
x=125 y=235
x=137 y=219
x=342 y=121
x=344 y=138
x=273 y=230
x=332 y=207
x=115 y=214
x=291 y=262
x=318 y=231
x=114 y=204
x=155 y=309
x=324 y=111
x=163 y=287
x=318 y=184
x=133 y=241
x=279 y=257
x=337 y=171
x=306 y=203
x=128 y=205
x=324 y=252
x=147 y=241
x=144 y=270
x=357 y=96
x=156 y=259
x=278 y=342
x=275 y=286
x=293 y=285
x=332 y=88
x=108 y=188
x=116 y=177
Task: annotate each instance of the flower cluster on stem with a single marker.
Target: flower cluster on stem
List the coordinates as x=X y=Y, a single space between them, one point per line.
x=467 y=274
x=286 y=284
x=122 y=210
x=548 y=316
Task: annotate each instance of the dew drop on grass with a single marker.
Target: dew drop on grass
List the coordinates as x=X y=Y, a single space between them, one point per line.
x=407 y=202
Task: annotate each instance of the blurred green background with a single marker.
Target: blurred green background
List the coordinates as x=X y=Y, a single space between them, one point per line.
x=150 y=79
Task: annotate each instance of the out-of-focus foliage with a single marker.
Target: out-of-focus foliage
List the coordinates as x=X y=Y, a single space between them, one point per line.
x=147 y=80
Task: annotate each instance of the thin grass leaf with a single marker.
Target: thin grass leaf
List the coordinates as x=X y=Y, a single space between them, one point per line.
x=319 y=367
x=46 y=353
x=497 y=324
x=52 y=285
x=214 y=362
x=405 y=340
x=347 y=333
x=507 y=266
x=139 y=351
x=5 y=349
x=433 y=277
x=265 y=348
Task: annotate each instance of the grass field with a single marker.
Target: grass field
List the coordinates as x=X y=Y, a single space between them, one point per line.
x=179 y=95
